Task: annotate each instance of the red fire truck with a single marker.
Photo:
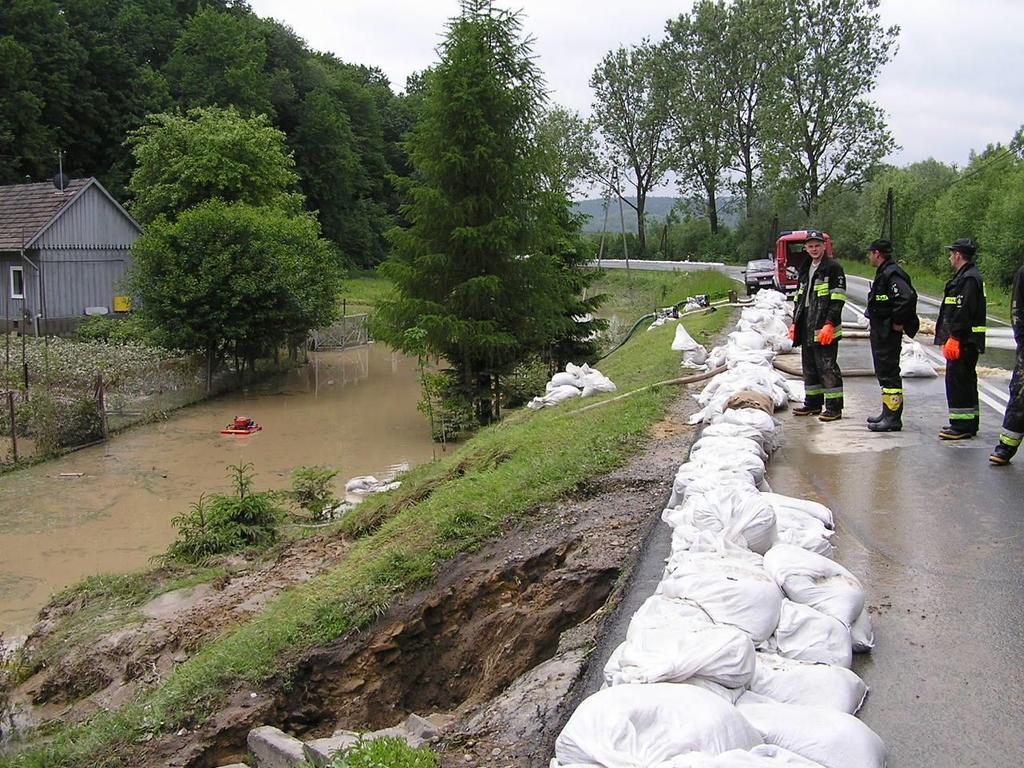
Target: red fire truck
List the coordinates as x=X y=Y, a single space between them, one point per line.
x=790 y=255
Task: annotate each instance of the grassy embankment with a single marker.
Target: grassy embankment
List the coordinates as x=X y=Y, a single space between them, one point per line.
x=931 y=284
x=401 y=539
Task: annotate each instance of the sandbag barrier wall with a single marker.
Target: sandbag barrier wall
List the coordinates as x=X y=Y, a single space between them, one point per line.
x=741 y=658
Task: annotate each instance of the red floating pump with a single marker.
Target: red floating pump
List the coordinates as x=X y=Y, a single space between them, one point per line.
x=241 y=422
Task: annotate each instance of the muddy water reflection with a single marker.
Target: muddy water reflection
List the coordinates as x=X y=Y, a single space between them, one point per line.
x=355 y=411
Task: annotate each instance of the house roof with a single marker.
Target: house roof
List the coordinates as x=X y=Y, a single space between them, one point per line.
x=26 y=209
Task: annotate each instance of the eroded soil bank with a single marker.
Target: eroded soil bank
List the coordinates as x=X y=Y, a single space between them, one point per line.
x=499 y=643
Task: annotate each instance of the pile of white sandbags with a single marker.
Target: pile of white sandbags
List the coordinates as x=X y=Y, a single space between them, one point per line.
x=694 y=354
x=574 y=381
x=741 y=658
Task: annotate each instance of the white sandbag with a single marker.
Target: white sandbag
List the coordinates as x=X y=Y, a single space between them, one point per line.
x=808 y=634
x=725 y=429
x=761 y=756
x=814 y=580
x=727 y=445
x=627 y=726
x=563 y=379
x=915 y=363
x=752 y=417
x=740 y=515
x=827 y=736
x=743 y=462
x=695 y=358
x=797 y=390
x=593 y=382
x=683 y=341
x=657 y=610
x=731 y=589
x=793 y=681
x=747 y=339
x=812 y=541
x=677 y=651
x=812 y=508
x=692 y=477
x=862 y=634
x=361 y=483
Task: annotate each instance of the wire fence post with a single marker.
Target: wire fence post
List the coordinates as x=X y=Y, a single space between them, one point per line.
x=14 y=426
x=101 y=401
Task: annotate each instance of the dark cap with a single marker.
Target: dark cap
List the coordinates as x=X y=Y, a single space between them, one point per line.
x=882 y=246
x=964 y=246
x=815 y=234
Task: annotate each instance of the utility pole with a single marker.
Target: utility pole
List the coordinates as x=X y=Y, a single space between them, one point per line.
x=622 y=218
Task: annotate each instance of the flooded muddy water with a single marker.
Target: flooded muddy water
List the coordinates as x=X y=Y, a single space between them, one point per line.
x=108 y=508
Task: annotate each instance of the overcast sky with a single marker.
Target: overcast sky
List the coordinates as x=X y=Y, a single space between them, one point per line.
x=956 y=84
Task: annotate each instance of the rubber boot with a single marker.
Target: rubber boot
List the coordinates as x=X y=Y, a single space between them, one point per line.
x=1002 y=454
x=879 y=417
x=892 y=413
x=891 y=421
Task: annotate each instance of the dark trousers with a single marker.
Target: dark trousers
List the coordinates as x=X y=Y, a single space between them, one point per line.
x=1013 y=419
x=886 y=344
x=823 y=381
x=962 y=390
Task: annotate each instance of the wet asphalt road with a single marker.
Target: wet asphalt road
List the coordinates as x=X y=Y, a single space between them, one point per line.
x=936 y=535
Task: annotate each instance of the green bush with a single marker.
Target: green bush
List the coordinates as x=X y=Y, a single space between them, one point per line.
x=386 y=752
x=313 y=490
x=56 y=423
x=526 y=381
x=113 y=330
x=219 y=524
x=448 y=407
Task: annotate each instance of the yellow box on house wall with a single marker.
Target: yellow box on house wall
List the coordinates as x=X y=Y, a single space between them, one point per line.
x=122 y=304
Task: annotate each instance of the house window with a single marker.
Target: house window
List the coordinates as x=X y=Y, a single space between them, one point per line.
x=17 y=283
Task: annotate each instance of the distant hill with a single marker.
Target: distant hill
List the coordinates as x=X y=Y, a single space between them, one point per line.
x=657 y=209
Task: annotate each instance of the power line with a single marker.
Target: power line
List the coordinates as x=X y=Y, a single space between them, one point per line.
x=987 y=164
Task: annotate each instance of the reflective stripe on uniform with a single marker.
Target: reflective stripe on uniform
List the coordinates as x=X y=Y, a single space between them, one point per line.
x=949 y=300
x=979 y=329
x=832 y=394
x=822 y=289
x=1007 y=439
x=813 y=391
x=838 y=296
x=892 y=390
x=881 y=297
x=962 y=414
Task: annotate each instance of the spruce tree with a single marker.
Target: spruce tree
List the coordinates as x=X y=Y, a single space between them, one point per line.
x=477 y=283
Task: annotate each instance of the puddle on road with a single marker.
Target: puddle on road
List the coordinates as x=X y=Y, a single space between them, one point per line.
x=354 y=411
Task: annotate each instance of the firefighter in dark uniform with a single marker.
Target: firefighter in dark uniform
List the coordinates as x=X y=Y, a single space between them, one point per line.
x=817 y=327
x=1013 y=421
x=960 y=330
x=892 y=309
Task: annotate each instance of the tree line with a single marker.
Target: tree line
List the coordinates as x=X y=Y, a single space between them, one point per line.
x=767 y=103
x=80 y=76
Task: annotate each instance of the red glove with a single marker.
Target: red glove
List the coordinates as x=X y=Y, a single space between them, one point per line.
x=827 y=334
x=951 y=349
x=792 y=333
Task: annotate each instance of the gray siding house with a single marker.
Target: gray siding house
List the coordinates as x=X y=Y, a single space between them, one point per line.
x=61 y=252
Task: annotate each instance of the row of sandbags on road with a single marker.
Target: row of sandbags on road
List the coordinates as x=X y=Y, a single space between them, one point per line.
x=741 y=658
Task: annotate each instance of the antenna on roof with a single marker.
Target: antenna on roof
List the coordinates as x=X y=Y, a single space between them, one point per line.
x=60 y=181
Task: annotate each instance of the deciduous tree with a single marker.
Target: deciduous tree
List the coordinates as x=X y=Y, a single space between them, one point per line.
x=632 y=120
x=827 y=132
x=209 y=153
x=693 y=79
